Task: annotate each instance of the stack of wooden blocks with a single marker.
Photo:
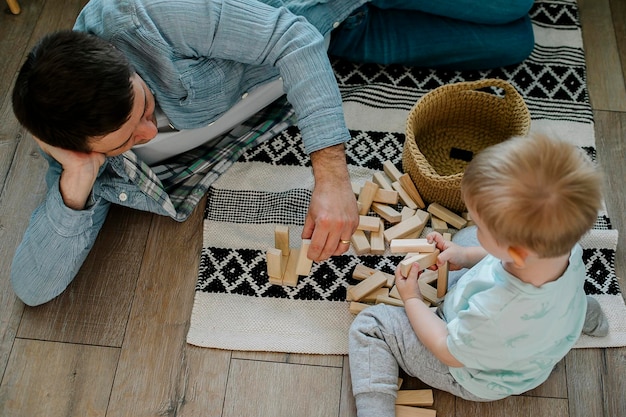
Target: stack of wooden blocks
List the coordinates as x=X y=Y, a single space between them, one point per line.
x=410 y=403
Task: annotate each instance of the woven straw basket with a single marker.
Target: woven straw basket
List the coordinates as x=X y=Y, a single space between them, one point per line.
x=451 y=124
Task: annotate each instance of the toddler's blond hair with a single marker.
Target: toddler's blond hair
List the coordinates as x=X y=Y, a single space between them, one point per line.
x=535 y=192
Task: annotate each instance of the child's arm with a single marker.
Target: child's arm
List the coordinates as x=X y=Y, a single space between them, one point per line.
x=428 y=327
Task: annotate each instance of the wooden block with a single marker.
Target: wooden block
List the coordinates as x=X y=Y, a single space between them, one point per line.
x=406 y=227
x=377 y=239
x=442 y=273
x=382 y=180
x=281 y=238
x=438 y=225
x=400 y=380
x=386 y=196
x=425 y=282
x=387 y=212
x=356 y=188
x=442 y=280
x=409 y=186
x=303 y=266
x=424 y=260
x=407 y=212
x=407 y=411
x=385 y=299
x=446 y=215
x=367 y=286
x=404 y=196
x=368 y=191
x=394 y=293
x=359 y=241
x=371 y=297
x=355 y=307
x=290 y=277
x=368 y=223
x=391 y=171
x=415 y=397
x=362 y=272
x=411 y=245
x=275 y=264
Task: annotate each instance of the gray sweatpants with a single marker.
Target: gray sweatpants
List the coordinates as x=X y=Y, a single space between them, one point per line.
x=381 y=339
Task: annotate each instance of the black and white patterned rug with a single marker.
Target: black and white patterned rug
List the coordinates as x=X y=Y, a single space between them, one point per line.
x=235 y=306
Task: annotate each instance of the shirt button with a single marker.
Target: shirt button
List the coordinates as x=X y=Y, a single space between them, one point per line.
x=244 y=95
x=123 y=197
x=336 y=25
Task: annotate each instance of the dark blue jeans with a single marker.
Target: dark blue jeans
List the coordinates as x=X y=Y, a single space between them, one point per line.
x=454 y=34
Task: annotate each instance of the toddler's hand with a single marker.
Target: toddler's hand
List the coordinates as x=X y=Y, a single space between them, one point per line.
x=408 y=286
x=450 y=252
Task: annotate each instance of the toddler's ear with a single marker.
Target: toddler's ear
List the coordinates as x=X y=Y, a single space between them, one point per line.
x=519 y=255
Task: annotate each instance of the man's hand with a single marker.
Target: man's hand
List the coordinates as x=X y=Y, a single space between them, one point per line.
x=80 y=170
x=333 y=216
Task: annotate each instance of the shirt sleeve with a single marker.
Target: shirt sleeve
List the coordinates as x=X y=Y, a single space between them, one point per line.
x=251 y=32
x=55 y=245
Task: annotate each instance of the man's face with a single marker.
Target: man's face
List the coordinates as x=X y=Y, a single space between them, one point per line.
x=140 y=128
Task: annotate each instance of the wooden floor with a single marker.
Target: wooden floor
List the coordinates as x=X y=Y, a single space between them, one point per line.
x=114 y=343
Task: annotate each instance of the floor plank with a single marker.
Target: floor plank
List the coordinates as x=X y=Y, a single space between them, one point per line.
x=153 y=368
x=76 y=382
x=607 y=90
x=205 y=382
x=15 y=209
x=586 y=385
x=615 y=382
x=618 y=13
x=94 y=309
x=272 y=389
x=520 y=406
x=347 y=406
x=299 y=358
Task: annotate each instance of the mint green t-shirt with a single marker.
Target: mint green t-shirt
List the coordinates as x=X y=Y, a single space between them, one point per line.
x=510 y=334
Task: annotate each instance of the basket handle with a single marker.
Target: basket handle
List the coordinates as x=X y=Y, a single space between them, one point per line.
x=509 y=91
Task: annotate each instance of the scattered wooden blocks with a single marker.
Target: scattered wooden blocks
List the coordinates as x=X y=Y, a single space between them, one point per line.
x=416 y=398
x=377 y=239
x=406 y=411
x=411 y=245
x=425 y=260
x=404 y=196
x=438 y=225
x=387 y=212
x=380 y=178
x=366 y=196
x=425 y=282
x=356 y=307
x=368 y=223
x=386 y=196
x=410 y=226
x=446 y=215
x=385 y=299
x=359 y=241
x=368 y=285
x=391 y=171
x=409 y=186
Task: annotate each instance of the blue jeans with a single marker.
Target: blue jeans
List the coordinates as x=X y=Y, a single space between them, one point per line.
x=451 y=34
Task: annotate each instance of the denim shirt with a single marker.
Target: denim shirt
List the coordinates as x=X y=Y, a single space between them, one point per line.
x=198 y=57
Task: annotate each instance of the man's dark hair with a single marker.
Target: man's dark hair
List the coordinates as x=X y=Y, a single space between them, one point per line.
x=72 y=87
